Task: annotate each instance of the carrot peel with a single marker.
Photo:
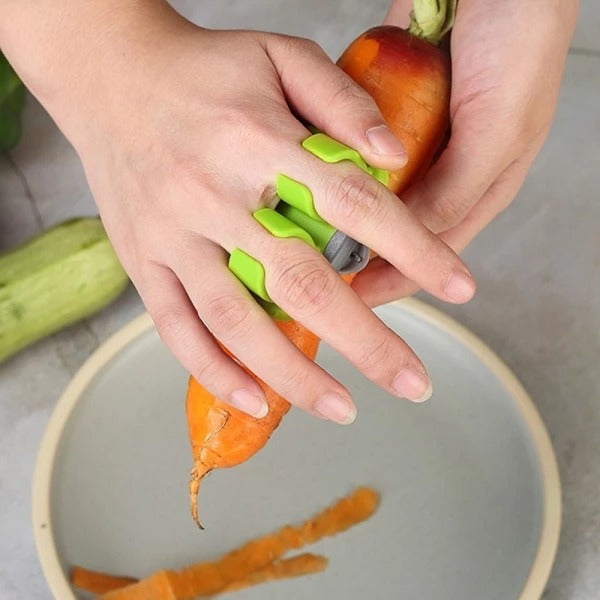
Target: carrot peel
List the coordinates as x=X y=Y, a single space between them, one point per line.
x=97 y=582
x=258 y=559
x=295 y=566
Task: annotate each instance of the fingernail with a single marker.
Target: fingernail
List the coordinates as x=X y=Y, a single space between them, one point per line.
x=250 y=403
x=384 y=142
x=460 y=287
x=413 y=384
x=336 y=408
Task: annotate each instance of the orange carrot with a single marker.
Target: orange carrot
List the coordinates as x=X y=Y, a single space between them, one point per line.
x=257 y=555
x=408 y=76
x=409 y=79
x=222 y=436
x=98 y=583
x=302 y=564
x=159 y=586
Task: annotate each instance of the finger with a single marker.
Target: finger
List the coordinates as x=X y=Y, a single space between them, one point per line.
x=380 y=282
x=322 y=93
x=467 y=167
x=361 y=207
x=245 y=329
x=496 y=199
x=301 y=281
x=399 y=13
x=188 y=339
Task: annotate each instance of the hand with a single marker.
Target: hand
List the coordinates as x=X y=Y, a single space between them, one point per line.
x=182 y=132
x=507 y=63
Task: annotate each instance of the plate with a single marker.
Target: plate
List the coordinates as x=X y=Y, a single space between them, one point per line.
x=470 y=493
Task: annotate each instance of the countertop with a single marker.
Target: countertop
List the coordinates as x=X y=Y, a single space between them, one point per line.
x=537 y=306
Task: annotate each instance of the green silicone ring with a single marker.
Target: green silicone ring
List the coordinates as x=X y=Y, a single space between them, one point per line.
x=279 y=226
x=296 y=194
x=332 y=151
x=249 y=270
x=296 y=217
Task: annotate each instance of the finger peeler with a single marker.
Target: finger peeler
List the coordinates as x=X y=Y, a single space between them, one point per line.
x=294 y=215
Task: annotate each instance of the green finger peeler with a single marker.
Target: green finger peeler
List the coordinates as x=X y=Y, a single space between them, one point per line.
x=295 y=216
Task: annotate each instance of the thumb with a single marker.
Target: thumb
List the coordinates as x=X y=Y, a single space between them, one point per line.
x=399 y=13
x=480 y=148
x=320 y=92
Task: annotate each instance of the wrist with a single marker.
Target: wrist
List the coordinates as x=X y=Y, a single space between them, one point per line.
x=75 y=56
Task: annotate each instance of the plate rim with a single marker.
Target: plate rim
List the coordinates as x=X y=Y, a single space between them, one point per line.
x=543 y=561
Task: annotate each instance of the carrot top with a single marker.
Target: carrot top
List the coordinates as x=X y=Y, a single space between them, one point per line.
x=431 y=20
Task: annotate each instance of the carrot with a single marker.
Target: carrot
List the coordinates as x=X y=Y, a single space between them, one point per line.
x=302 y=564
x=408 y=76
x=102 y=583
x=160 y=584
x=222 y=436
x=246 y=563
x=409 y=79
x=98 y=583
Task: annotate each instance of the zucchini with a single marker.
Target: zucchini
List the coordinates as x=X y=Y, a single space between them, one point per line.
x=12 y=98
x=55 y=279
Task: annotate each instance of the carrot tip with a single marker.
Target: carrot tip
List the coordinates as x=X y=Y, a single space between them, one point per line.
x=198 y=472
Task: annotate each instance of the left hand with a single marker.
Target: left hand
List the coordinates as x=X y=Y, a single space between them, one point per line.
x=507 y=64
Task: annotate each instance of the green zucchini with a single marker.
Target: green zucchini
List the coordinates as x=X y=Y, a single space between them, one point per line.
x=55 y=279
x=12 y=98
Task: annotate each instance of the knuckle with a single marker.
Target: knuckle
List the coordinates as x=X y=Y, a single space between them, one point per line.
x=357 y=199
x=174 y=329
x=187 y=170
x=531 y=128
x=349 y=95
x=373 y=358
x=193 y=179
x=170 y=322
x=449 y=211
x=500 y=201
x=295 y=386
x=203 y=361
x=229 y=317
x=248 y=127
x=240 y=119
x=306 y=285
x=207 y=368
x=305 y=45
x=250 y=124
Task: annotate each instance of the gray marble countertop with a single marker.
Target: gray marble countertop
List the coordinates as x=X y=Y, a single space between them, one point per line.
x=537 y=306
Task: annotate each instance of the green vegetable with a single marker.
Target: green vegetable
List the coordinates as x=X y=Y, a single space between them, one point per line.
x=12 y=98
x=55 y=279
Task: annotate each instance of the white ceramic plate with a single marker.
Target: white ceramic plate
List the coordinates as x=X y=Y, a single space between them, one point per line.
x=470 y=490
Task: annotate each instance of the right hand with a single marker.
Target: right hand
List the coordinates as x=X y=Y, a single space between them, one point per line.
x=182 y=132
